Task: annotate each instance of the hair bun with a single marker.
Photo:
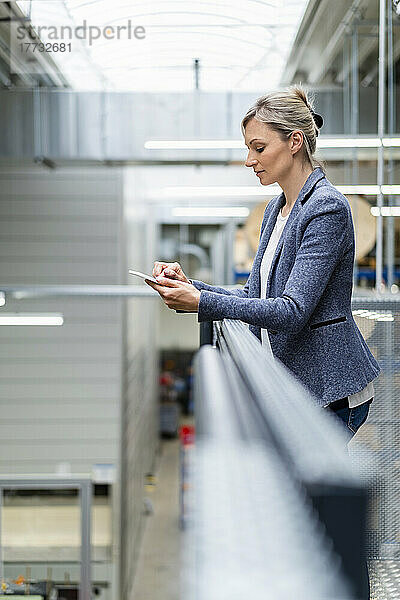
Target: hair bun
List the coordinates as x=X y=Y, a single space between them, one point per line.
x=318 y=119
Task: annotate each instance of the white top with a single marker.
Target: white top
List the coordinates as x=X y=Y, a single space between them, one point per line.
x=266 y=265
x=355 y=399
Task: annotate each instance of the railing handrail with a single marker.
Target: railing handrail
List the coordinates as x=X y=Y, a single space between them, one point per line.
x=250 y=515
x=312 y=441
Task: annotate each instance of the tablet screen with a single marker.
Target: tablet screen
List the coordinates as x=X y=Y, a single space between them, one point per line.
x=142 y=275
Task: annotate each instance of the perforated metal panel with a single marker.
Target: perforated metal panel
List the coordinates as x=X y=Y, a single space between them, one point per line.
x=385 y=579
x=380 y=327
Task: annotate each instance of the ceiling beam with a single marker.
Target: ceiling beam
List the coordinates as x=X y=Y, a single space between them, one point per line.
x=314 y=11
x=335 y=43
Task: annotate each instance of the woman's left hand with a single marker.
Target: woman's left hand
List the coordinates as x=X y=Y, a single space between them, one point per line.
x=177 y=294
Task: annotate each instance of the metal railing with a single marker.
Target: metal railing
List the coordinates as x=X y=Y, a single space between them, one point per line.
x=272 y=479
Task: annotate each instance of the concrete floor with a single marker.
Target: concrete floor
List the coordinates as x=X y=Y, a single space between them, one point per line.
x=158 y=570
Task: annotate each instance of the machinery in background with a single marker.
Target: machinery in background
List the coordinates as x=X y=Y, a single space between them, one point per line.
x=247 y=239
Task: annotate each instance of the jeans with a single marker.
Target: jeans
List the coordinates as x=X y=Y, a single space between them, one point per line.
x=352 y=418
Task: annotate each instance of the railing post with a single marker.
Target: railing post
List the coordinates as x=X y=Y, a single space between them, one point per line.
x=206 y=332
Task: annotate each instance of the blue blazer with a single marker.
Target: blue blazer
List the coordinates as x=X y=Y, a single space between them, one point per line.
x=307 y=310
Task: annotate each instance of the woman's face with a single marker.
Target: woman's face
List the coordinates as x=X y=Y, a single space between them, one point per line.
x=269 y=155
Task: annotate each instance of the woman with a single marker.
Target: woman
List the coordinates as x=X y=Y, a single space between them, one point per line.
x=298 y=294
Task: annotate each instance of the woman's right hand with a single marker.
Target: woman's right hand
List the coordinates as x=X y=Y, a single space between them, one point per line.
x=172 y=270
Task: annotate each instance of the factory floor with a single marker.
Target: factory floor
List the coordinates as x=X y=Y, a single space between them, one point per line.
x=158 y=570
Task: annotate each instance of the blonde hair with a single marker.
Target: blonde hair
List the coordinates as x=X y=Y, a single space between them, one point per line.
x=286 y=111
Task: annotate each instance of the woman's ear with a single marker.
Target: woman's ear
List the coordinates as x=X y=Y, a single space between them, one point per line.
x=296 y=141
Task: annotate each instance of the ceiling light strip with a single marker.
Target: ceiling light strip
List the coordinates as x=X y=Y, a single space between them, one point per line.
x=38 y=319
x=210 y=211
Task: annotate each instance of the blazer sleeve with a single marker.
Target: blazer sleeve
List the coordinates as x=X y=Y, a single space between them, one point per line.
x=240 y=292
x=323 y=243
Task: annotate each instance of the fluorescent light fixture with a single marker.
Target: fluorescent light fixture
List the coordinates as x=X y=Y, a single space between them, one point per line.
x=391 y=142
x=2 y=298
x=31 y=319
x=391 y=190
x=385 y=318
x=268 y=190
x=344 y=142
x=246 y=190
x=323 y=142
x=385 y=211
x=365 y=190
x=210 y=211
x=220 y=190
x=369 y=190
x=193 y=144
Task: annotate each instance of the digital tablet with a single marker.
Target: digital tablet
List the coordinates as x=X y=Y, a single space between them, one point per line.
x=151 y=278
x=143 y=275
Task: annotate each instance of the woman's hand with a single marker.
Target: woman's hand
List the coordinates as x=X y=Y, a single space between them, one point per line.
x=178 y=295
x=172 y=270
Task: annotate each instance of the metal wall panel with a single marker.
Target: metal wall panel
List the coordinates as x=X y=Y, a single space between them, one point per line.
x=60 y=387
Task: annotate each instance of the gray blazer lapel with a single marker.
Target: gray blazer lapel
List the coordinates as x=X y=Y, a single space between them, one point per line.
x=305 y=191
